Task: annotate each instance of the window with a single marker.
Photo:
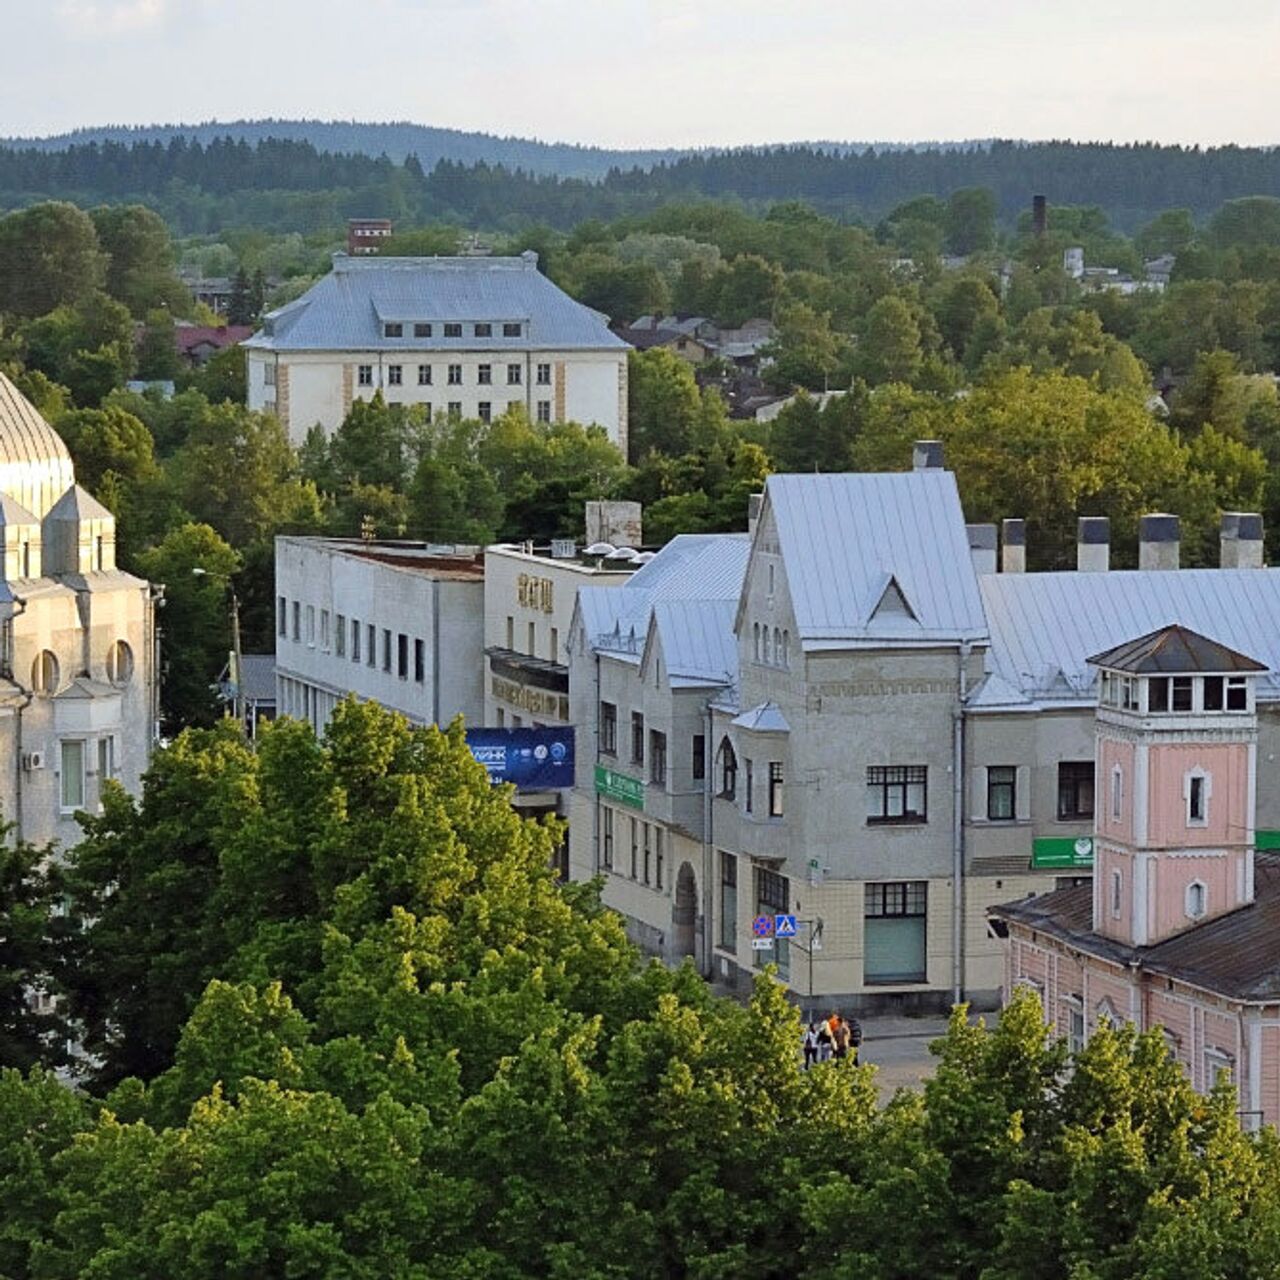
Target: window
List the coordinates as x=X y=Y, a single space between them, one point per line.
x=453 y=331
x=1196 y=791
x=484 y=374
x=364 y=375
x=386 y=649
x=635 y=849
x=455 y=408
x=44 y=672
x=657 y=857
x=402 y=656
x=608 y=729
x=775 y=789
x=1002 y=784
x=395 y=375
x=455 y=375
x=657 y=757
x=544 y=410
x=268 y=375
x=512 y=330
x=1075 y=1024
x=637 y=738
x=728 y=770
x=1197 y=899
x=772 y=896
x=513 y=375
x=1117 y=894
x=514 y=405
x=1218 y=1067
x=755 y=640
x=297 y=620
x=894 y=927
x=766 y=646
x=106 y=759
x=282 y=616
x=424 y=375
x=1181 y=700
x=1117 y=793
x=1075 y=790
x=355 y=640
x=648 y=852
x=419 y=662
x=1212 y=693
x=484 y=331
x=511 y=632
x=532 y=648
x=606 y=823
x=484 y=411
x=896 y=793
x=1158 y=693
x=751 y=785
x=1237 y=693
x=728 y=901
x=311 y=626
x=544 y=375
x=421 y=330
x=324 y=630
x=786 y=648
x=393 y=331
x=119 y=663
x=1128 y=693
x=699 y=757
x=553 y=645
x=71 y=776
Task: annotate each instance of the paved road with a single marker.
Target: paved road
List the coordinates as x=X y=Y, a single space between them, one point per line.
x=899 y=1047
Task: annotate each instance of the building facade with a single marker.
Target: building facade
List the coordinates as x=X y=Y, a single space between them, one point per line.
x=78 y=645
x=398 y=623
x=466 y=336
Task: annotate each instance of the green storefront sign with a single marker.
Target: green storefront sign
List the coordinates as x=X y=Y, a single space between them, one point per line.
x=1062 y=851
x=617 y=786
x=1266 y=840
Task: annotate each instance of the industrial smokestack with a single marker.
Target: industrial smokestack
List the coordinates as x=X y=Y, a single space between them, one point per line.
x=1039 y=215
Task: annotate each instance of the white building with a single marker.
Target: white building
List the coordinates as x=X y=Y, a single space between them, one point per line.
x=78 y=640
x=398 y=623
x=469 y=336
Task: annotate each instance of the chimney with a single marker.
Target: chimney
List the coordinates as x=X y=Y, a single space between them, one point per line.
x=1093 y=544
x=754 y=502
x=1039 y=216
x=1241 y=540
x=982 y=547
x=1013 y=536
x=1158 y=541
x=927 y=455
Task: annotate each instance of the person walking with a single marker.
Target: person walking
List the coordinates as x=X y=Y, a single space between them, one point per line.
x=824 y=1041
x=811 y=1044
x=855 y=1039
x=840 y=1037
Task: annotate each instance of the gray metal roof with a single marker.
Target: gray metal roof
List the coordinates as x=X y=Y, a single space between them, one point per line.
x=1046 y=626
x=698 y=644
x=846 y=539
x=1173 y=649
x=347 y=309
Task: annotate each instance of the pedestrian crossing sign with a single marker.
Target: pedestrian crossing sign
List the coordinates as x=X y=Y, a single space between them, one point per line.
x=784 y=926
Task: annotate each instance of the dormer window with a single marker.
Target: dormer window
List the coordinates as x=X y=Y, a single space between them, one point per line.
x=1237 y=693
x=453 y=331
x=1180 y=693
x=510 y=330
x=421 y=330
x=393 y=331
x=484 y=331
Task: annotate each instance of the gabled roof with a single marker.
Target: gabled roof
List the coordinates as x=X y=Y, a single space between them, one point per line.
x=78 y=504
x=846 y=538
x=767 y=717
x=14 y=513
x=1046 y=626
x=1173 y=649
x=348 y=308
x=698 y=644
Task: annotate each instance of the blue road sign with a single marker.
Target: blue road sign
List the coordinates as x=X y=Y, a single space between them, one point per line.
x=784 y=926
x=762 y=926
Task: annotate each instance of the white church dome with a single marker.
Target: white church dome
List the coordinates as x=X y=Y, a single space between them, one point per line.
x=35 y=467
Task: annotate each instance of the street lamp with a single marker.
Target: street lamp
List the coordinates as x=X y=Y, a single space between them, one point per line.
x=238 y=675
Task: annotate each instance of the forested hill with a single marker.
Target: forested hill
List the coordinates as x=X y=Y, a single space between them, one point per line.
x=281 y=184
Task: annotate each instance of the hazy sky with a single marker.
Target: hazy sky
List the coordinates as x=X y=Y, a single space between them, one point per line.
x=659 y=72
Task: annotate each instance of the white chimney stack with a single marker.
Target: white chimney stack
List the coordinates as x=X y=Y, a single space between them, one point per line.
x=1159 y=541
x=1093 y=544
x=1241 y=540
x=1013 y=538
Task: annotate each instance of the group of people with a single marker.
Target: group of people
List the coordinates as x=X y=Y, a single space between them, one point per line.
x=834 y=1037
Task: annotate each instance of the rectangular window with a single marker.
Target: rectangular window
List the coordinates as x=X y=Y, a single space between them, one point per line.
x=773 y=893
x=532 y=650
x=751 y=784
x=426 y=408
x=657 y=757
x=419 y=662
x=637 y=738
x=648 y=853
x=897 y=793
x=371 y=648
x=393 y=331
x=386 y=649
x=544 y=375
x=1075 y=790
x=268 y=375
x=324 y=630
x=894 y=932
x=421 y=330
x=364 y=375
x=1117 y=793
x=453 y=331
x=553 y=645
x=1181 y=693
x=1196 y=810
x=484 y=411
x=484 y=331
x=1212 y=693
x=544 y=410
x=297 y=620
x=455 y=375
x=1002 y=783
x=402 y=656
x=395 y=375
x=510 y=330
x=608 y=729
x=106 y=759
x=635 y=849
x=282 y=616
x=355 y=639
x=728 y=901
x=1075 y=1025
x=71 y=776
x=606 y=824
x=511 y=632
x=775 y=789
x=311 y=625
x=455 y=408
x=424 y=375
x=513 y=375
x=657 y=857
x=1158 y=693
x=340 y=635
x=1237 y=693
x=484 y=374
x=698 y=760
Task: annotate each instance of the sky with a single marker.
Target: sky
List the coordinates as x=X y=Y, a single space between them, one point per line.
x=658 y=73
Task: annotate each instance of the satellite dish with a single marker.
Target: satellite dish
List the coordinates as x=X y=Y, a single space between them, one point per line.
x=599 y=549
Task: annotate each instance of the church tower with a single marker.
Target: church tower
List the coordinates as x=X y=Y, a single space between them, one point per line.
x=1176 y=785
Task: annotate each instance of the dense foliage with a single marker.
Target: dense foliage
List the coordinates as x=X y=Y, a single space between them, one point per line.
x=345 y=1023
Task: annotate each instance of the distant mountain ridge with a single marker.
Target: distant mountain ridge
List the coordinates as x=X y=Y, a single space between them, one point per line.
x=401 y=138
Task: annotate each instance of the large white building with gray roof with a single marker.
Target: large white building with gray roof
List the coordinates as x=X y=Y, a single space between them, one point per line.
x=467 y=336
x=856 y=717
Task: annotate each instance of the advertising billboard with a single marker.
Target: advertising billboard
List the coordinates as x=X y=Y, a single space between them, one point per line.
x=534 y=759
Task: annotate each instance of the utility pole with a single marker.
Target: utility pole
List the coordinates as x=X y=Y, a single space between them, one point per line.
x=237 y=657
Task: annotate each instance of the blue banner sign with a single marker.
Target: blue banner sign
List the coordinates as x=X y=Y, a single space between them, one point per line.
x=534 y=759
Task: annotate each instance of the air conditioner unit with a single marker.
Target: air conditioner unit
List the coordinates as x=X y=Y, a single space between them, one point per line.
x=32 y=760
x=563 y=548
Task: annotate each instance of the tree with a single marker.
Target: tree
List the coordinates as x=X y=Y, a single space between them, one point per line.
x=1168 y=232
x=963 y=308
x=49 y=257
x=666 y=411
x=240 y=304
x=157 y=350
x=889 y=348
x=748 y=287
x=222 y=377
x=139 y=260
x=971 y=220
x=805 y=353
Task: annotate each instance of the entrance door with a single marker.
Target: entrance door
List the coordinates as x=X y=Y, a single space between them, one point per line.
x=684 y=914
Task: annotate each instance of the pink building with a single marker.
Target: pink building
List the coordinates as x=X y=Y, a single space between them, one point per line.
x=1180 y=928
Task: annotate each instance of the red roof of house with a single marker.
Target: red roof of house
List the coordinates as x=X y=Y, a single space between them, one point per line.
x=187 y=337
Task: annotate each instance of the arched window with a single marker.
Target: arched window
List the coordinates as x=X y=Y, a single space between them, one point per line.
x=756 y=630
x=44 y=672
x=728 y=770
x=1197 y=899
x=777 y=647
x=786 y=649
x=768 y=648
x=119 y=663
